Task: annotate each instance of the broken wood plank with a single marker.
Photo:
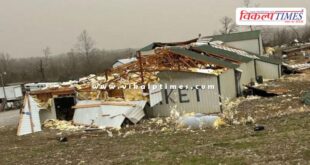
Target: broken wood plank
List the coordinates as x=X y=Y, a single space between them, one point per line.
x=103 y=103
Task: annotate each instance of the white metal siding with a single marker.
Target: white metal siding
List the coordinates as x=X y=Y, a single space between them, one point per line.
x=247 y=45
x=11 y=92
x=267 y=70
x=208 y=98
x=155 y=95
x=25 y=119
x=86 y=116
x=248 y=73
x=228 y=84
x=117 y=64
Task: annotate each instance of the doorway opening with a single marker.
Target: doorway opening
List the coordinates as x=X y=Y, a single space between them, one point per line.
x=63 y=107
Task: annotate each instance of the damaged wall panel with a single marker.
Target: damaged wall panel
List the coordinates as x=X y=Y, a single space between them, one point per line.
x=228 y=84
x=29 y=121
x=86 y=116
x=112 y=115
x=155 y=94
x=48 y=113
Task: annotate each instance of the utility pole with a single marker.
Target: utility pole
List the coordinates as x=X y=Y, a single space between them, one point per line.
x=141 y=66
x=2 y=83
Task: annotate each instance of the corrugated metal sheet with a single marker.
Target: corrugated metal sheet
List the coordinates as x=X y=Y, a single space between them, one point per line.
x=239 y=36
x=190 y=100
x=111 y=116
x=136 y=113
x=30 y=119
x=224 y=53
x=267 y=70
x=247 y=45
x=155 y=94
x=124 y=61
x=248 y=73
x=199 y=57
x=269 y=60
x=108 y=115
x=228 y=84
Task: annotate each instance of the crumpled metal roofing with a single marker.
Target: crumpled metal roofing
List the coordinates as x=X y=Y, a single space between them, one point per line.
x=200 y=57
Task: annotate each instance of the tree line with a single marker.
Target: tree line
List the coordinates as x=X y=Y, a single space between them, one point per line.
x=86 y=59
x=80 y=61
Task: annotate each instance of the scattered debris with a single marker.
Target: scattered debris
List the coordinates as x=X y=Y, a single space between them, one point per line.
x=259 y=128
x=108 y=114
x=260 y=92
x=306 y=98
x=199 y=121
x=62 y=139
x=296 y=67
x=61 y=125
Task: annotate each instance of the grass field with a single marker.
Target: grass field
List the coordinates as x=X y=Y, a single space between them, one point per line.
x=285 y=140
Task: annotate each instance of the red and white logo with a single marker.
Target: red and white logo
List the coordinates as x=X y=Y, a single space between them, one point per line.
x=271 y=16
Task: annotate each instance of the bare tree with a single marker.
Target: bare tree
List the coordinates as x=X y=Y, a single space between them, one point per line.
x=306 y=31
x=228 y=25
x=247 y=3
x=72 y=63
x=45 y=63
x=295 y=31
x=46 y=53
x=41 y=70
x=85 y=45
x=4 y=62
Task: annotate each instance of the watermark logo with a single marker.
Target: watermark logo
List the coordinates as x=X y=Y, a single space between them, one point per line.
x=271 y=16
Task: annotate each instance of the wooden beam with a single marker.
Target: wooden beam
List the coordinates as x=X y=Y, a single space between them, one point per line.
x=103 y=103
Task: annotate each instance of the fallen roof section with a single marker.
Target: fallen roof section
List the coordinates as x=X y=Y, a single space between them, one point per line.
x=296 y=48
x=108 y=115
x=162 y=44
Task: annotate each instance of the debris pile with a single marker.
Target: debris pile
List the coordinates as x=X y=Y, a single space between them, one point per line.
x=61 y=125
x=199 y=121
x=230 y=111
x=121 y=93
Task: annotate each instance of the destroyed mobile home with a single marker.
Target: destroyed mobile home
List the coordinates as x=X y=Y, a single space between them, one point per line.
x=194 y=76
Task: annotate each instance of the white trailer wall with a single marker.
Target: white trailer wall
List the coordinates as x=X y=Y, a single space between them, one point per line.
x=13 y=92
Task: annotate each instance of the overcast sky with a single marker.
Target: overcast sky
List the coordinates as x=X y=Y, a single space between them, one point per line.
x=27 y=26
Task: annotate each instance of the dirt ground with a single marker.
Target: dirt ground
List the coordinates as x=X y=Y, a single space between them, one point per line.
x=285 y=139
